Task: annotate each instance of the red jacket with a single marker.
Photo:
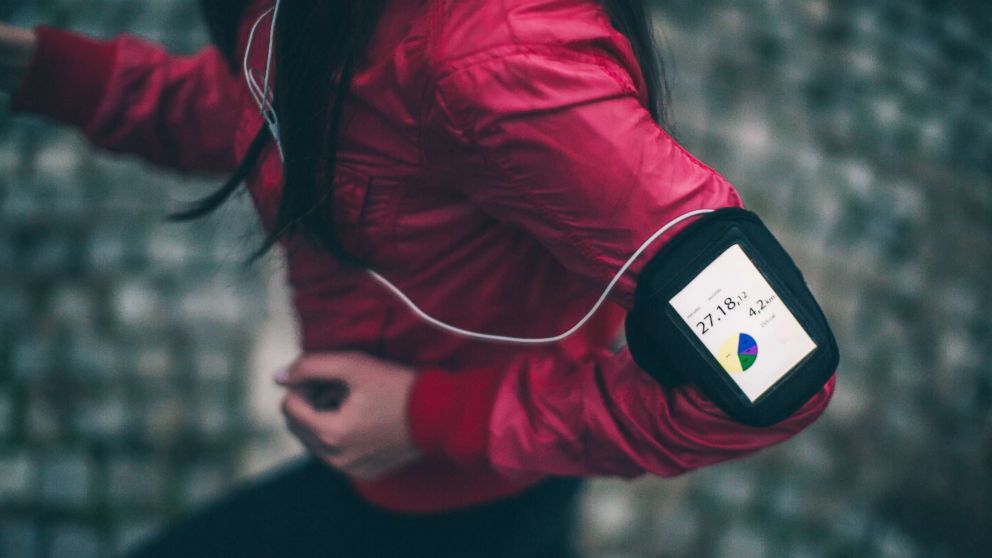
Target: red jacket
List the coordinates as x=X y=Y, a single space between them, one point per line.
x=498 y=165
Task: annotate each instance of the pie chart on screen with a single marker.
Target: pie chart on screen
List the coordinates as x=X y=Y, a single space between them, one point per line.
x=738 y=353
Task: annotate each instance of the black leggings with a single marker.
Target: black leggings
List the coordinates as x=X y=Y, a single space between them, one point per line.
x=308 y=509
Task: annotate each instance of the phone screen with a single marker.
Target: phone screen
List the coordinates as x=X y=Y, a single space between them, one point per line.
x=742 y=321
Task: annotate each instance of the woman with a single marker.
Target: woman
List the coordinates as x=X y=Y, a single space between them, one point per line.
x=498 y=162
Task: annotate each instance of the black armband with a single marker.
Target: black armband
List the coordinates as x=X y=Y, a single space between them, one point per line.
x=723 y=306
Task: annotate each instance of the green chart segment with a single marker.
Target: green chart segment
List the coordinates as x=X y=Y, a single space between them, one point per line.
x=738 y=353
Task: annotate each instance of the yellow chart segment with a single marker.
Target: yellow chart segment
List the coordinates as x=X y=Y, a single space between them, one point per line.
x=727 y=355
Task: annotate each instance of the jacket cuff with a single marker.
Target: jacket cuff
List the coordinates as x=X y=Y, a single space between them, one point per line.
x=67 y=76
x=449 y=413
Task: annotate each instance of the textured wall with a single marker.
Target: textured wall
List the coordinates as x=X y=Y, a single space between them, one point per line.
x=125 y=341
x=134 y=355
x=862 y=132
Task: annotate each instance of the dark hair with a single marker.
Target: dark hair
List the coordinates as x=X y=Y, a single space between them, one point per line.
x=329 y=39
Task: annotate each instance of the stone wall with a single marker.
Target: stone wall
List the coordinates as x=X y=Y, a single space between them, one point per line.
x=862 y=133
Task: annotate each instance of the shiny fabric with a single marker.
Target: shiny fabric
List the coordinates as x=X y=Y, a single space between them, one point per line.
x=498 y=164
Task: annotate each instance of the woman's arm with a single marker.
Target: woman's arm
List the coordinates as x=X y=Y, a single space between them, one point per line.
x=602 y=415
x=570 y=154
x=131 y=96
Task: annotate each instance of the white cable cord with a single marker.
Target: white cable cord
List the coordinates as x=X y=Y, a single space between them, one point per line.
x=268 y=56
x=252 y=85
x=535 y=340
x=262 y=96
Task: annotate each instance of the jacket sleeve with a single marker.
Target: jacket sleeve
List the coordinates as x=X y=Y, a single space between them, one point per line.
x=130 y=96
x=571 y=155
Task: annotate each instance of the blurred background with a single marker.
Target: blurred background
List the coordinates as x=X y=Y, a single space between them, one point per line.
x=135 y=356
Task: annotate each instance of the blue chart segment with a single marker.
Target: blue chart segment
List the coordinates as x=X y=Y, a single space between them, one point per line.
x=738 y=353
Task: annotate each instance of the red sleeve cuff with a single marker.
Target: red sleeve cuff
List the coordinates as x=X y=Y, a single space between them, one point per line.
x=449 y=413
x=67 y=76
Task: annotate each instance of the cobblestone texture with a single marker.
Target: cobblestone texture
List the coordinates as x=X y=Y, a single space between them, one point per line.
x=134 y=355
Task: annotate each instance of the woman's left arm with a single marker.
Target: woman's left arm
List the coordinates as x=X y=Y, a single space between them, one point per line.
x=570 y=154
x=599 y=416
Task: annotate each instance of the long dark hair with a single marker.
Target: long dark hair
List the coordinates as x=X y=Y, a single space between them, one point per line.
x=329 y=39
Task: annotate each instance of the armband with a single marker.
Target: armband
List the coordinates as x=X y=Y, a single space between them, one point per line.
x=723 y=306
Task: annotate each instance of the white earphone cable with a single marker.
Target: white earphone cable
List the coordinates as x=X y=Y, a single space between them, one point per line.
x=262 y=96
x=268 y=55
x=253 y=87
x=536 y=340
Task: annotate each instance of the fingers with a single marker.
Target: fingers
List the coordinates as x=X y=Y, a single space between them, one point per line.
x=316 y=432
x=319 y=377
x=362 y=467
x=340 y=365
x=319 y=432
x=321 y=428
x=378 y=464
x=310 y=441
x=333 y=405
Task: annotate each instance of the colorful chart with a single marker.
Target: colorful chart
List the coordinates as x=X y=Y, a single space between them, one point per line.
x=738 y=353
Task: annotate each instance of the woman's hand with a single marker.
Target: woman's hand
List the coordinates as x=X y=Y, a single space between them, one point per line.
x=16 y=49
x=349 y=409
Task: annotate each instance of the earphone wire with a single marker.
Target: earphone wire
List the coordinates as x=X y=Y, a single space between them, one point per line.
x=262 y=97
x=249 y=79
x=268 y=56
x=536 y=340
